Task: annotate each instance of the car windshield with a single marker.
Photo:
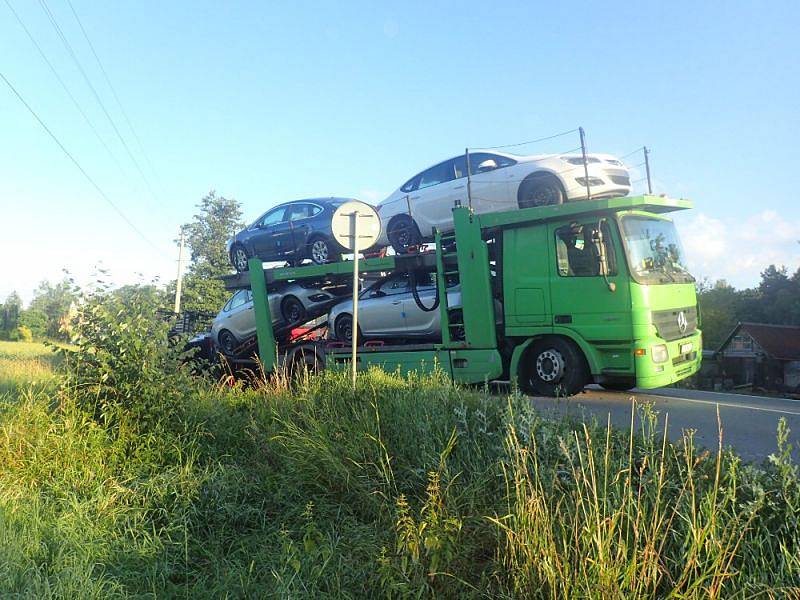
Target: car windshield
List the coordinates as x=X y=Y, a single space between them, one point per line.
x=654 y=250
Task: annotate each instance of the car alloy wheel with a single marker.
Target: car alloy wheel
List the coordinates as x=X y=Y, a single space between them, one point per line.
x=240 y=259
x=344 y=328
x=319 y=251
x=550 y=365
x=293 y=310
x=227 y=342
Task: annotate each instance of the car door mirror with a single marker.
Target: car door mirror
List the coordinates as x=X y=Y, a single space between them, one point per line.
x=377 y=294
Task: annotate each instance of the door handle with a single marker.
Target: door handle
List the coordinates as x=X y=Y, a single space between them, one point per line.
x=414 y=198
x=396 y=302
x=459 y=187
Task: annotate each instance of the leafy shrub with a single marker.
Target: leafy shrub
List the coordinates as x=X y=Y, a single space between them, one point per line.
x=22 y=334
x=123 y=366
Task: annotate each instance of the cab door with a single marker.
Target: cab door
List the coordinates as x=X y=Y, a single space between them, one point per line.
x=581 y=297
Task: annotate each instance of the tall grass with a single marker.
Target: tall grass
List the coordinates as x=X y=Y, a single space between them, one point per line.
x=404 y=487
x=25 y=363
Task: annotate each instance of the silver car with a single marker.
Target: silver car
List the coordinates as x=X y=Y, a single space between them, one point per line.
x=294 y=303
x=387 y=309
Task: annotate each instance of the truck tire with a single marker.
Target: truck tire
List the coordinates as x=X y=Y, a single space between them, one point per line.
x=540 y=189
x=553 y=366
x=305 y=359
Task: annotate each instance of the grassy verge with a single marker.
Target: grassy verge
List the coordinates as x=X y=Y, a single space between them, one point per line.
x=403 y=488
x=25 y=363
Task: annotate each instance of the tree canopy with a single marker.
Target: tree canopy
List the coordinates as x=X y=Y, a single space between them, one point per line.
x=775 y=300
x=216 y=221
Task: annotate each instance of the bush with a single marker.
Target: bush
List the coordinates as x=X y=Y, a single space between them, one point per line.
x=22 y=334
x=123 y=366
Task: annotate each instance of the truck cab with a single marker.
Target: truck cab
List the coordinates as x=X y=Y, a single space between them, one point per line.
x=611 y=284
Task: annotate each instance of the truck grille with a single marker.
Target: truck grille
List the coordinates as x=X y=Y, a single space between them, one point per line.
x=668 y=322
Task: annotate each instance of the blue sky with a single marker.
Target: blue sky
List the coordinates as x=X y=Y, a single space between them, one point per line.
x=266 y=102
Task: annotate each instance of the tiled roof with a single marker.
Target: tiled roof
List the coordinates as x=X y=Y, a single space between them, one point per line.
x=779 y=341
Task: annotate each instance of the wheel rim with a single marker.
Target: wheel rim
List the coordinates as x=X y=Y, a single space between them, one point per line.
x=544 y=195
x=293 y=311
x=226 y=341
x=402 y=235
x=319 y=251
x=240 y=259
x=550 y=365
x=344 y=330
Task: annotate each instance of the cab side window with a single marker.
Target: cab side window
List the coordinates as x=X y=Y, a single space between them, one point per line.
x=577 y=252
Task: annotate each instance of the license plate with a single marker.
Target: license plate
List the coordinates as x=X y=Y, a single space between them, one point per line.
x=686 y=348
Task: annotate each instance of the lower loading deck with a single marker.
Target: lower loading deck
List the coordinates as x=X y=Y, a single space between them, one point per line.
x=467 y=365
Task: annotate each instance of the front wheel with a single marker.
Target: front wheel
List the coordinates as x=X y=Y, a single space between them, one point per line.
x=227 y=342
x=239 y=258
x=540 y=190
x=553 y=367
x=343 y=329
x=292 y=310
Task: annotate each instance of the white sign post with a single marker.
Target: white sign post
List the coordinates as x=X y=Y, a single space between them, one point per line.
x=356 y=226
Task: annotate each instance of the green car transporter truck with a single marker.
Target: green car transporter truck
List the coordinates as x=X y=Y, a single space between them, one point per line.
x=591 y=291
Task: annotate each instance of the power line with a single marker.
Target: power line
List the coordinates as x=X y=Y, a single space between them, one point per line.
x=64 y=86
x=543 y=139
x=632 y=152
x=111 y=86
x=78 y=165
x=68 y=46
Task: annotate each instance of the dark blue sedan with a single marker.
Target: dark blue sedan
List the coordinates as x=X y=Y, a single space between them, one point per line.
x=292 y=232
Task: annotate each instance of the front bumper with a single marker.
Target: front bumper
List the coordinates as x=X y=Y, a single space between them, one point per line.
x=684 y=360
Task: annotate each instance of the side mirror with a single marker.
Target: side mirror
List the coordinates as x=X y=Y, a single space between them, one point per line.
x=602 y=258
x=377 y=294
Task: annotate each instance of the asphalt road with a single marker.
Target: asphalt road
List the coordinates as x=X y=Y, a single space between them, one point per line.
x=749 y=423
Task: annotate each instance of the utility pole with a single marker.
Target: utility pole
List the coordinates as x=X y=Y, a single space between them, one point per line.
x=179 y=283
x=585 y=163
x=469 y=179
x=647 y=169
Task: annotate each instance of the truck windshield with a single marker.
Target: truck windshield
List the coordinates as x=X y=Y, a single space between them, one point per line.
x=654 y=250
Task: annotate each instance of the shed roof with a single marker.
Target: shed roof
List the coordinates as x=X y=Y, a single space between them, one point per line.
x=778 y=341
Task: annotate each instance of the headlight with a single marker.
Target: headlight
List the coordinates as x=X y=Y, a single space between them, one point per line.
x=659 y=353
x=318 y=297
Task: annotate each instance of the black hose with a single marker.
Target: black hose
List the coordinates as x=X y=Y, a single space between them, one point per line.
x=412 y=280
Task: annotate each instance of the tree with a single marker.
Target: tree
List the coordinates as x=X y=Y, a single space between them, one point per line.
x=10 y=312
x=206 y=237
x=719 y=308
x=49 y=310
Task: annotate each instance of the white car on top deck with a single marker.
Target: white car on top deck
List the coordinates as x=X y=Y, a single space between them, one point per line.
x=499 y=181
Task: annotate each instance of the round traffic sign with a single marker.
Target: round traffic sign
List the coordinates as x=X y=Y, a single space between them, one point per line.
x=361 y=217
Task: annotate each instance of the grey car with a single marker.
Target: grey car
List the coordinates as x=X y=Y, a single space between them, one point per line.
x=387 y=309
x=294 y=303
